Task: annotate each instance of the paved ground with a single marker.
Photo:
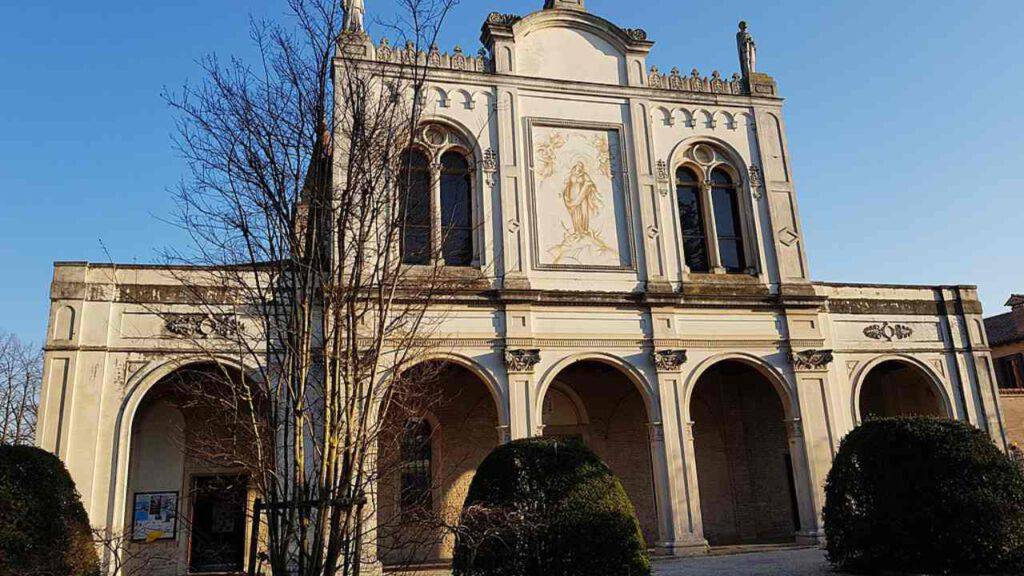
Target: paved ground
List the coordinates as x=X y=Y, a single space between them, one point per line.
x=740 y=561
x=790 y=562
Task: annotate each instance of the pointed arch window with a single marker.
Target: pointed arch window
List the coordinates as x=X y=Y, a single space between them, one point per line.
x=456 y=210
x=691 y=217
x=728 y=224
x=438 y=203
x=415 y=205
x=712 y=220
x=416 y=494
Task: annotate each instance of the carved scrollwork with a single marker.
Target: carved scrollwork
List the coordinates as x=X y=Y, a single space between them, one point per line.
x=888 y=332
x=636 y=34
x=490 y=160
x=503 y=19
x=811 y=359
x=522 y=360
x=669 y=360
x=202 y=326
x=662 y=172
x=756 y=182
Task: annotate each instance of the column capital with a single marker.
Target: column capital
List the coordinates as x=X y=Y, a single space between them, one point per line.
x=656 y=431
x=669 y=360
x=521 y=361
x=811 y=360
x=794 y=428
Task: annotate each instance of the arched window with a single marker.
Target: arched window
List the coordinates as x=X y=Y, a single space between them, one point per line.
x=416 y=496
x=711 y=217
x=728 y=225
x=456 y=210
x=415 y=206
x=691 y=216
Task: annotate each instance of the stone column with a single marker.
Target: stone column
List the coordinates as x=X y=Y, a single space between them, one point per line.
x=520 y=364
x=436 y=235
x=675 y=471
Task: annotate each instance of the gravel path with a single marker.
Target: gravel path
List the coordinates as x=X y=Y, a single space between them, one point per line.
x=794 y=562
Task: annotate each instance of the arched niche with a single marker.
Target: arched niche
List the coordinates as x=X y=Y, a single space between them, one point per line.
x=181 y=440
x=744 y=459
x=456 y=401
x=602 y=405
x=893 y=386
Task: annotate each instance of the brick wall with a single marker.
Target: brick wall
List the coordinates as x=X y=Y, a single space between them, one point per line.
x=741 y=449
x=617 y=431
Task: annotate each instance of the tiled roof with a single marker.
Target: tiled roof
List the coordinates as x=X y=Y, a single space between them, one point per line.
x=1005 y=328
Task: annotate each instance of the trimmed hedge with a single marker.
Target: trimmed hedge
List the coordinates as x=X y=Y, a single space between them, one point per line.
x=924 y=495
x=43 y=527
x=546 y=507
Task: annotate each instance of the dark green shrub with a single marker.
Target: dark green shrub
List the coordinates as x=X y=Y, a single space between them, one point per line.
x=544 y=507
x=44 y=529
x=924 y=495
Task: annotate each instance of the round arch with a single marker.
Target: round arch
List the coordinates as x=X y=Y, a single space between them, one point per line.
x=634 y=375
x=747 y=452
x=676 y=156
x=774 y=377
x=484 y=375
x=937 y=384
x=579 y=20
x=138 y=388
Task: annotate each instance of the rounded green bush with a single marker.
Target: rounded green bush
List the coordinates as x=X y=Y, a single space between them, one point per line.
x=924 y=495
x=545 y=507
x=43 y=527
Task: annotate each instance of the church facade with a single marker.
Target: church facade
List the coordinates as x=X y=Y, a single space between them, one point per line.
x=647 y=291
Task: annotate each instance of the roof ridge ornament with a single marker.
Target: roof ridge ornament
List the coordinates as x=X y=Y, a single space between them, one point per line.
x=565 y=5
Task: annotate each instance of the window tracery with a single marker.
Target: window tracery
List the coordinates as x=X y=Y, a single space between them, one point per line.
x=712 y=214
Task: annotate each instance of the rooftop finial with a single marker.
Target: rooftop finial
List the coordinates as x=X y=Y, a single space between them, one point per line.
x=565 y=4
x=355 y=11
x=748 y=51
x=1016 y=302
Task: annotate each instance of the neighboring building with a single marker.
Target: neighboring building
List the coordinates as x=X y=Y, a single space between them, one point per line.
x=647 y=290
x=1006 y=338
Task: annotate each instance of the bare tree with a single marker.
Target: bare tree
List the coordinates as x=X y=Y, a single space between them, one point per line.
x=296 y=199
x=21 y=375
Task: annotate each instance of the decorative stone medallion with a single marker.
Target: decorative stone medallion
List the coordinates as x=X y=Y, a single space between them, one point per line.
x=202 y=326
x=888 y=332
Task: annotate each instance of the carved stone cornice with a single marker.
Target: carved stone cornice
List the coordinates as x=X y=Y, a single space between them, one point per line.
x=811 y=360
x=669 y=360
x=522 y=361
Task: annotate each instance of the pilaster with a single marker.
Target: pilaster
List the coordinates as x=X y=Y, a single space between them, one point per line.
x=675 y=468
x=811 y=441
x=520 y=363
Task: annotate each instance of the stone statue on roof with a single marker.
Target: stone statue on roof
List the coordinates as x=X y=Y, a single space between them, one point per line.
x=355 y=11
x=748 y=51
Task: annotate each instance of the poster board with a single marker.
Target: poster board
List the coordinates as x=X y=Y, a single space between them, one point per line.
x=154 y=516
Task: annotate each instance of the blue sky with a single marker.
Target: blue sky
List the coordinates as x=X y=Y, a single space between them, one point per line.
x=904 y=121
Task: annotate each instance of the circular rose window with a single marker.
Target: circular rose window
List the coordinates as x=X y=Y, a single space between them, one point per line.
x=703 y=154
